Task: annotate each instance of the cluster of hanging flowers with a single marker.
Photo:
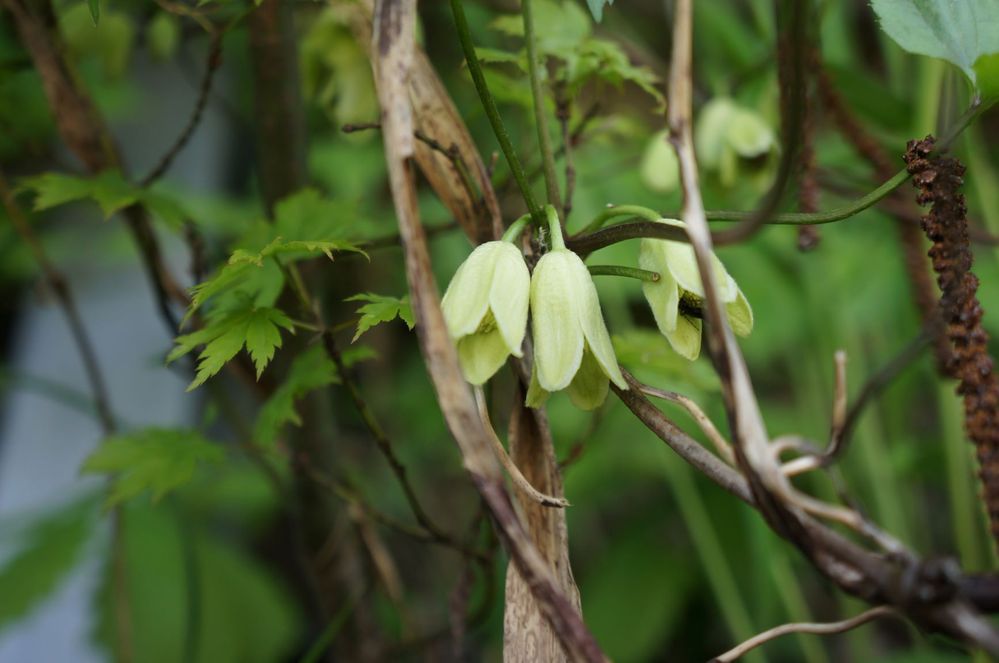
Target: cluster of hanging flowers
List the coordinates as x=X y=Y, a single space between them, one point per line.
x=487 y=303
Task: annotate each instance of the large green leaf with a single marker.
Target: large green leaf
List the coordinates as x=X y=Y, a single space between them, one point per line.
x=959 y=31
x=158 y=460
x=44 y=553
x=196 y=598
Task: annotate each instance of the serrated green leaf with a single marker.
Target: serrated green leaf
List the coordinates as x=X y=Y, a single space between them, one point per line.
x=959 y=32
x=381 y=309
x=310 y=370
x=112 y=193
x=95 y=10
x=263 y=336
x=54 y=189
x=108 y=189
x=43 y=556
x=218 y=351
x=157 y=460
x=225 y=334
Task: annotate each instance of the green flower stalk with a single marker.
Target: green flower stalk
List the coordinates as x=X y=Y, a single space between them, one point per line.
x=572 y=349
x=485 y=307
x=677 y=297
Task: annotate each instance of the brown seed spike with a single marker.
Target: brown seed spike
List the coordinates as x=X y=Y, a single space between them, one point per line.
x=938 y=179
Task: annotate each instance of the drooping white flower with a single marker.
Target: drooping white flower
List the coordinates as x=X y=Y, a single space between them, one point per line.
x=677 y=297
x=485 y=308
x=725 y=133
x=572 y=349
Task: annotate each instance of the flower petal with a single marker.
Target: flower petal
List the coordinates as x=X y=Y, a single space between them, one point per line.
x=748 y=134
x=682 y=262
x=709 y=131
x=481 y=355
x=558 y=337
x=510 y=295
x=591 y=319
x=663 y=295
x=467 y=296
x=740 y=315
x=686 y=338
x=588 y=390
x=660 y=169
x=536 y=396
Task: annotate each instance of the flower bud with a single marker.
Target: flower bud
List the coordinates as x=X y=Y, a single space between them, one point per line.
x=485 y=308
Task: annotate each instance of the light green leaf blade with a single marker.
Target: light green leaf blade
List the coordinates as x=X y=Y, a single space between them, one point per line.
x=379 y=309
x=957 y=31
x=263 y=335
x=310 y=370
x=43 y=555
x=54 y=189
x=154 y=460
x=95 y=10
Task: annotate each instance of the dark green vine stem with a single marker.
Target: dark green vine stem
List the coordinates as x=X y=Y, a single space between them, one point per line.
x=540 y=121
x=620 y=270
x=489 y=105
x=594 y=236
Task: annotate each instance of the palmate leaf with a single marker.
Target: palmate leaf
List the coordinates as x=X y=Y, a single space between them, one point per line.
x=310 y=370
x=109 y=190
x=224 y=335
x=305 y=225
x=381 y=309
x=963 y=32
x=157 y=460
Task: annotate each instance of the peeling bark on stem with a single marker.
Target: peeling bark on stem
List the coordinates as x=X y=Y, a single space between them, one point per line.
x=393 y=45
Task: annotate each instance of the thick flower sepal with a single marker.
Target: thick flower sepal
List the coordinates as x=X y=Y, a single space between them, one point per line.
x=572 y=349
x=485 y=308
x=677 y=297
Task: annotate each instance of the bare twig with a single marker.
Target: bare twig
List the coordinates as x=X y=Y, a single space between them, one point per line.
x=204 y=92
x=843 y=426
x=60 y=288
x=511 y=468
x=829 y=628
x=706 y=425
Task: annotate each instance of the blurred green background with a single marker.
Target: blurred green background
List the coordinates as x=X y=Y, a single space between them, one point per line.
x=669 y=566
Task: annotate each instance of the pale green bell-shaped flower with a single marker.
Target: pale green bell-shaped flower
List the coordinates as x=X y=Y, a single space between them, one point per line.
x=660 y=169
x=485 y=308
x=572 y=349
x=677 y=297
x=726 y=132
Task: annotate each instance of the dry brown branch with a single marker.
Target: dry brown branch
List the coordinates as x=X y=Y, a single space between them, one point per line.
x=435 y=116
x=705 y=424
x=393 y=55
x=928 y=592
x=829 y=628
x=511 y=468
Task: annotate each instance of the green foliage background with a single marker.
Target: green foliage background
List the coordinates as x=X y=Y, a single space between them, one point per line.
x=669 y=566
